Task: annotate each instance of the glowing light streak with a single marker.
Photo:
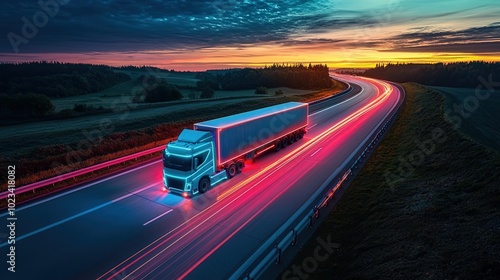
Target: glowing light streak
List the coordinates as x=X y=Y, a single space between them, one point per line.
x=278 y=164
x=300 y=149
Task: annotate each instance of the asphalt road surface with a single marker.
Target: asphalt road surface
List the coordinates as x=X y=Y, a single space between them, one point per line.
x=126 y=226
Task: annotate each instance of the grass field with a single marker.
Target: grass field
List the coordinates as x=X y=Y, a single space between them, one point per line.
x=480 y=121
x=105 y=98
x=123 y=92
x=178 y=78
x=441 y=220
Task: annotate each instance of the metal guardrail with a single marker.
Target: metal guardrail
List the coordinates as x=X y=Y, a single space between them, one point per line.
x=286 y=236
x=50 y=181
x=47 y=182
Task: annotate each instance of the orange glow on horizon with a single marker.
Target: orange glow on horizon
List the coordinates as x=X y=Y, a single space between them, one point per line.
x=256 y=56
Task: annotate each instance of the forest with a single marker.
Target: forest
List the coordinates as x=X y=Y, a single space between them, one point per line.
x=459 y=74
x=295 y=76
x=55 y=79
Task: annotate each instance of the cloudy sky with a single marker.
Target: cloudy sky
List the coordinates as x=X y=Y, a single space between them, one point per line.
x=207 y=34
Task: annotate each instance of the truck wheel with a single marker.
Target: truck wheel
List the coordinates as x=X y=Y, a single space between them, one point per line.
x=301 y=134
x=277 y=145
x=203 y=184
x=292 y=138
x=231 y=170
x=297 y=136
x=239 y=166
x=284 y=142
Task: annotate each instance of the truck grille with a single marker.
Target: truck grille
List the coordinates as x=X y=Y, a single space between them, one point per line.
x=174 y=183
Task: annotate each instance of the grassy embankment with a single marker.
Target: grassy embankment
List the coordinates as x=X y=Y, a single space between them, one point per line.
x=38 y=165
x=440 y=221
x=481 y=124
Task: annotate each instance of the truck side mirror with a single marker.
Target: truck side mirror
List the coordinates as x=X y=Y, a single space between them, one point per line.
x=195 y=163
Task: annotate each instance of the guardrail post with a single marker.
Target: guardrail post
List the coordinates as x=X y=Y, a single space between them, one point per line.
x=294 y=237
x=311 y=221
x=316 y=212
x=278 y=251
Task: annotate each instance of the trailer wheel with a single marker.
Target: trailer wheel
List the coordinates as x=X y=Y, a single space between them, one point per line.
x=277 y=145
x=292 y=138
x=203 y=184
x=297 y=136
x=284 y=142
x=231 y=170
x=301 y=134
x=239 y=166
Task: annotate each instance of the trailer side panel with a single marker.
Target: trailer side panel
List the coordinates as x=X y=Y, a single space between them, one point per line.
x=237 y=138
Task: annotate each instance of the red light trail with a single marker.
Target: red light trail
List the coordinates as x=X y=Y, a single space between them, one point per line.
x=241 y=197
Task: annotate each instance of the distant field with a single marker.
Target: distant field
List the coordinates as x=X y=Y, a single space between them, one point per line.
x=122 y=94
x=105 y=98
x=482 y=124
x=178 y=78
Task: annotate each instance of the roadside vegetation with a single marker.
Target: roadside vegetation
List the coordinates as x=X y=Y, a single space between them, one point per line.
x=261 y=90
x=480 y=122
x=406 y=217
x=25 y=105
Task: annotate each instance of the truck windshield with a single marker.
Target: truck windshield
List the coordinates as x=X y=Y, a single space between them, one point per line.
x=177 y=162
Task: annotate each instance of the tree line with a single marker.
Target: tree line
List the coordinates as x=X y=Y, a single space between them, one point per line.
x=56 y=79
x=25 y=106
x=458 y=74
x=155 y=90
x=295 y=76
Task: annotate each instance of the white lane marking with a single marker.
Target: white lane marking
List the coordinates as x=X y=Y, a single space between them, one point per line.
x=313 y=126
x=80 y=188
x=316 y=151
x=328 y=108
x=154 y=219
x=79 y=214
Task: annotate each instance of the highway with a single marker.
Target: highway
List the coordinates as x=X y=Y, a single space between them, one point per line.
x=125 y=226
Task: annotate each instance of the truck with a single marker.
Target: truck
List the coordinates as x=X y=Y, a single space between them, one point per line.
x=217 y=149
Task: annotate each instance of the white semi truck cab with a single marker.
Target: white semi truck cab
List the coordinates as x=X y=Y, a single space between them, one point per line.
x=189 y=163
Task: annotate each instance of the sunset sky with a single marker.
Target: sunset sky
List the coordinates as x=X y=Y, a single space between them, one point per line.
x=204 y=34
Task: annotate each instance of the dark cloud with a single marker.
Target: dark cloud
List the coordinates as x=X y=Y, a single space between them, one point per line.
x=127 y=25
x=482 y=47
x=170 y=25
x=483 y=39
x=119 y=25
x=309 y=42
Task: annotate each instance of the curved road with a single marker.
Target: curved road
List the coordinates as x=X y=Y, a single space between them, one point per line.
x=125 y=226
